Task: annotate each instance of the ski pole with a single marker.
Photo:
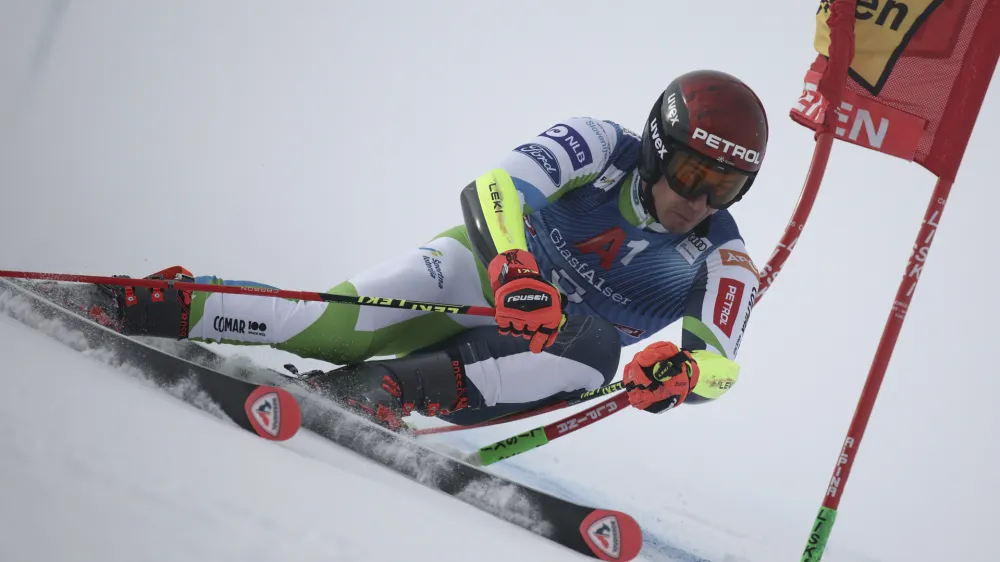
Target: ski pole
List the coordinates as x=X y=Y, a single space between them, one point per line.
x=259 y=292
x=582 y=397
x=517 y=444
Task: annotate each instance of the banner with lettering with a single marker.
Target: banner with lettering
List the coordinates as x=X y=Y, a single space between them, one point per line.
x=916 y=81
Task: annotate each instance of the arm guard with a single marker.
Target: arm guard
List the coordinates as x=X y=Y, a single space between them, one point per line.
x=492 y=209
x=570 y=155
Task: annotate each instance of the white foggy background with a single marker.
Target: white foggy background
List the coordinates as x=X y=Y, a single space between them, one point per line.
x=297 y=143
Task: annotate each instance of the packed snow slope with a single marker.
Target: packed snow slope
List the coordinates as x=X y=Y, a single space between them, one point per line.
x=301 y=143
x=99 y=465
x=113 y=468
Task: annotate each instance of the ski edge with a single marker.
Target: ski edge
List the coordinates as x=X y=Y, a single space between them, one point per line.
x=239 y=408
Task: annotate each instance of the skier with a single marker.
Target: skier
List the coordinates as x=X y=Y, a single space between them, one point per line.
x=586 y=238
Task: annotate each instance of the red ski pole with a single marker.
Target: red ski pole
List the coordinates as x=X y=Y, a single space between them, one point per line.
x=523 y=442
x=259 y=292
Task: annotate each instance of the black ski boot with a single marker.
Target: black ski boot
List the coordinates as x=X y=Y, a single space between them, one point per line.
x=386 y=391
x=133 y=311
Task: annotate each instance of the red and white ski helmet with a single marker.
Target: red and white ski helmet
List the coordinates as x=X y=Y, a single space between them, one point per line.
x=707 y=134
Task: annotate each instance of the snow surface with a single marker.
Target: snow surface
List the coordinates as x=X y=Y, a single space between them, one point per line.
x=300 y=143
x=99 y=465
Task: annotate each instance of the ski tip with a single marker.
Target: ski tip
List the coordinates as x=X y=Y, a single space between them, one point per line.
x=612 y=535
x=273 y=413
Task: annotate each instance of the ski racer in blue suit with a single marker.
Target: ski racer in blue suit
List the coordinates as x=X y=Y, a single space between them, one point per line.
x=586 y=238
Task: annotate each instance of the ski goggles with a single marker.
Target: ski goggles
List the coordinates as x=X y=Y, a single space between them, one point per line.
x=691 y=174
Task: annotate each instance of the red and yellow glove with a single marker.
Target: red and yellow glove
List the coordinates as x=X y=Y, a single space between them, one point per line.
x=660 y=377
x=526 y=304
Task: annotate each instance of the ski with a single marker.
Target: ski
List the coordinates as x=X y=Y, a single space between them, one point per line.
x=599 y=533
x=602 y=534
x=267 y=411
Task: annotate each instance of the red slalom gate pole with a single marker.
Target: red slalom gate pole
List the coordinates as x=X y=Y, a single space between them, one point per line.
x=258 y=292
x=820 y=533
x=817 y=168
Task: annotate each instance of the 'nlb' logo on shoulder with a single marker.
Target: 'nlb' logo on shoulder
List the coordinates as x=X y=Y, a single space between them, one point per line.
x=573 y=142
